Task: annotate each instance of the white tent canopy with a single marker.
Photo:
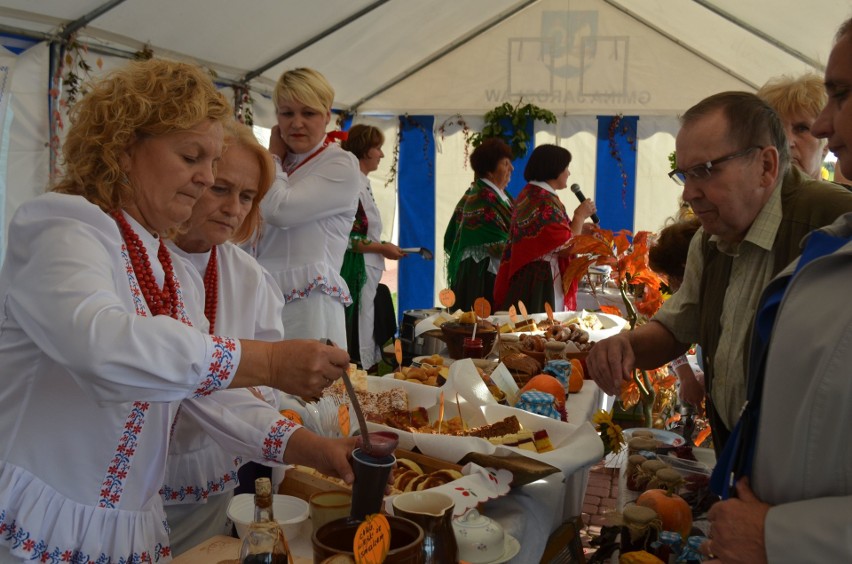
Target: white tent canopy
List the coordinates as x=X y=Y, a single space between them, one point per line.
x=646 y=57
x=386 y=58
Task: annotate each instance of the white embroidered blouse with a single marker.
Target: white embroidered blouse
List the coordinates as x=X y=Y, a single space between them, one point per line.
x=90 y=385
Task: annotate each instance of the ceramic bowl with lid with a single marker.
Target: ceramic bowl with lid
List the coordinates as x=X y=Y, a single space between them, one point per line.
x=480 y=538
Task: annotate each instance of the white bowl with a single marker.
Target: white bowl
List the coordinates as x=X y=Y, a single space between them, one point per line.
x=290 y=512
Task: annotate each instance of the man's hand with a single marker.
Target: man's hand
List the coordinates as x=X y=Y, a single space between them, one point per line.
x=610 y=361
x=737 y=528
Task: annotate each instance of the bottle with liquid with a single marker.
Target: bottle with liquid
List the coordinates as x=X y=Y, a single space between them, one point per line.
x=264 y=542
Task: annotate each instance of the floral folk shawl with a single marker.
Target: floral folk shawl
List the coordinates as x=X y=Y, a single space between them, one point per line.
x=484 y=221
x=540 y=225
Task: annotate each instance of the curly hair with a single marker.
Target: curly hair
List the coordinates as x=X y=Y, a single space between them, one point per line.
x=240 y=135
x=487 y=156
x=305 y=86
x=362 y=138
x=145 y=98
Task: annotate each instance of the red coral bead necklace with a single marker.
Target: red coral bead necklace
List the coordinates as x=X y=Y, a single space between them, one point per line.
x=211 y=288
x=161 y=301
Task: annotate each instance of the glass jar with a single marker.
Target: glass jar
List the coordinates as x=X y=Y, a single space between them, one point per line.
x=473 y=348
x=634 y=461
x=640 y=527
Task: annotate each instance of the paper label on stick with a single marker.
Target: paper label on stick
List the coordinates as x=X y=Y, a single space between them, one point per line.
x=502 y=378
x=397 y=352
x=372 y=540
x=513 y=315
x=522 y=308
x=447 y=297
x=481 y=307
x=549 y=311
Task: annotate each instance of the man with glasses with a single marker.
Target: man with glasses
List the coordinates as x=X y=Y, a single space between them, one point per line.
x=754 y=208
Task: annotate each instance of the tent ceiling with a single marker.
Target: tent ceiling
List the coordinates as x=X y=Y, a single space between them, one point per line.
x=376 y=51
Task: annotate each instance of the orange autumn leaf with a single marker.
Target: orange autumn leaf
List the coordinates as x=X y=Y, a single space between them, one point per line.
x=577 y=268
x=651 y=300
x=664 y=383
x=611 y=310
x=701 y=436
x=622 y=242
x=630 y=394
x=588 y=245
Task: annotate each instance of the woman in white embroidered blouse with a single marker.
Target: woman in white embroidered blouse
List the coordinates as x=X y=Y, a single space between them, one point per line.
x=102 y=335
x=241 y=300
x=308 y=212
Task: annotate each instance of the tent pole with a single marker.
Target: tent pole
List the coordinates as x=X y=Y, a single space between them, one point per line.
x=440 y=54
x=57 y=51
x=674 y=39
x=84 y=20
x=304 y=45
x=766 y=37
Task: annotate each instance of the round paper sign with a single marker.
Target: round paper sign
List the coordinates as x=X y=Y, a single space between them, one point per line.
x=447 y=297
x=372 y=540
x=482 y=307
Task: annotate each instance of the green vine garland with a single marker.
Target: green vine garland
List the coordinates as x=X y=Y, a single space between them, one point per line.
x=516 y=135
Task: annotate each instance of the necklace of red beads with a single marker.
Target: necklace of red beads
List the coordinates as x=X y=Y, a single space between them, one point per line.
x=161 y=301
x=211 y=288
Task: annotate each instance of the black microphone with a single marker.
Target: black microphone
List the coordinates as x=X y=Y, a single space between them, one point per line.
x=576 y=189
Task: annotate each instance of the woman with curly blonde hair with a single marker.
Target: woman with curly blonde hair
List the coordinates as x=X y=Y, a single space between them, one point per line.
x=103 y=334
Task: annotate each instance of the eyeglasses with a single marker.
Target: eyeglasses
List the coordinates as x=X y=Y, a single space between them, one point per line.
x=702 y=171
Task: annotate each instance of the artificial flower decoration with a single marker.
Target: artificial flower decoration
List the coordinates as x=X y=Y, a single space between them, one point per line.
x=611 y=435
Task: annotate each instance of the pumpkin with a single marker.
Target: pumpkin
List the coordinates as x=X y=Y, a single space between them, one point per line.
x=639 y=557
x=674 y=512
x=575 y=381
x=547 y=384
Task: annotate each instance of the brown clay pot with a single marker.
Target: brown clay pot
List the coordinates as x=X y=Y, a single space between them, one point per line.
x=337 y=537
x=454 y=335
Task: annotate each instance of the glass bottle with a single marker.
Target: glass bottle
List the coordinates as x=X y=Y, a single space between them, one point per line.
x=264 y=542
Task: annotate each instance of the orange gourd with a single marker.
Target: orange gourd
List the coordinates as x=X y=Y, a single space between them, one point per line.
x=548 y=384
x=575 y=381
x=674 y=512
x=639 y=557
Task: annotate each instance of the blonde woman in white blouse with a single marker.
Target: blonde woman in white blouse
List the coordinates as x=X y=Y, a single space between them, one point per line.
x=308 y=212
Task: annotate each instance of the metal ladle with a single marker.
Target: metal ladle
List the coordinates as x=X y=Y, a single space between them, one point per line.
x=378 y=444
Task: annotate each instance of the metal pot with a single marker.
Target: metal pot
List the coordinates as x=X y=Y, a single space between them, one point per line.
x=422 y=345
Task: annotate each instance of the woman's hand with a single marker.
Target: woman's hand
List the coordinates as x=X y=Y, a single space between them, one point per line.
x=305 y=367
x=276 y=143
x=391 y=251
x=583 y=212
x=329 y=456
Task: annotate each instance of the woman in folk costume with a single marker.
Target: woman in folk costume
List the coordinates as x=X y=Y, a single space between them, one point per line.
x=103 y=334
x=308 y=212
x=364 y=261
x=479 y=237
x=535 y=257
x=242 y=300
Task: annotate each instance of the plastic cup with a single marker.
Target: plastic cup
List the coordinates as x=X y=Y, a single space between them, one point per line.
x=371 y=478
x=329 y=506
